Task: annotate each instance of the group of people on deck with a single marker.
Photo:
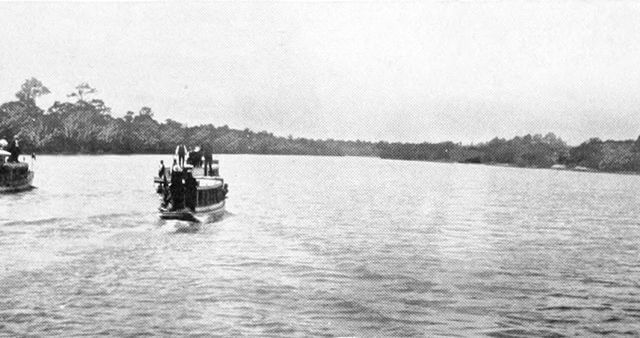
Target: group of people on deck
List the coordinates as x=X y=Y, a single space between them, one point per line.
x=13 y=149
x=196 y=157
x=181 y=188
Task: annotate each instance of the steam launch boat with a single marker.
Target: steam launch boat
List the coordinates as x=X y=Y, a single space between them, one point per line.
x=14 y=176
x=187 y=194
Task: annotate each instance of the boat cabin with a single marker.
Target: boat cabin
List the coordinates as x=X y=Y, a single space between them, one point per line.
x=210 y=191
x=13 y=175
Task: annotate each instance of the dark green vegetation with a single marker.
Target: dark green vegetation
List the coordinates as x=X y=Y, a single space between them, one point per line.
x=529 y=151
x=84 y=125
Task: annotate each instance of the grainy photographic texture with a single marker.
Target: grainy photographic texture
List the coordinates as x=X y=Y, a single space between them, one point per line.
x=320 y=168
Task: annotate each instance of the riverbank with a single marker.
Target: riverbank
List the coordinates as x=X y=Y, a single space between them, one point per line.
x=508 y=165
x=494 y=164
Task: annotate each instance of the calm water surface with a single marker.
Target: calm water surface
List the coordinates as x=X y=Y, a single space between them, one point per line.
x=323 y=246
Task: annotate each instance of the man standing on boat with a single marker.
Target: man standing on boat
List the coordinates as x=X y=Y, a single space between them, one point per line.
x=164 y=186
x=208 y=159
x=177 y=189
x=14 y=149
x=162 y=173
x=191 y=191
x=181 y=151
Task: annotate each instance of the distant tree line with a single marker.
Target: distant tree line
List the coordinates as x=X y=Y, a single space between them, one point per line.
x=83 y=124
x=528 y=151
x=608 y=155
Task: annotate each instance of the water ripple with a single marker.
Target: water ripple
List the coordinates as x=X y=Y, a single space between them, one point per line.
x=324 y=247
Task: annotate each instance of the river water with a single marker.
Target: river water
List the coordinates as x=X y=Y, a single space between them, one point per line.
x=317 y=246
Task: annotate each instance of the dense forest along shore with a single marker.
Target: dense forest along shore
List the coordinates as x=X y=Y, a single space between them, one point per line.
x=84 y=125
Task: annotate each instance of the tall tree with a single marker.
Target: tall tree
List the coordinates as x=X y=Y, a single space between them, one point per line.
x=82 y=90
x=30 y=90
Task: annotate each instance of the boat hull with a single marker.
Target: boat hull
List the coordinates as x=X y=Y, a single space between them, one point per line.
x=202 y=214
x=19 y=185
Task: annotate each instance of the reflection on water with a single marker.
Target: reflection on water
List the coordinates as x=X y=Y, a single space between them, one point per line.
x=323 y=246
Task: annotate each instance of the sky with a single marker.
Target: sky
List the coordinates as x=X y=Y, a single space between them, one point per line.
x=411 y=71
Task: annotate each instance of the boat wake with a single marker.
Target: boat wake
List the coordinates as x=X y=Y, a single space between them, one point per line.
x=186 y=227
x=183 y=226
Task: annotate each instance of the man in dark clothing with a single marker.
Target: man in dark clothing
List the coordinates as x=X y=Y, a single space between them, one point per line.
x=177 y=190
x=14 y=149
x=181 y=151
x=162 y=174
x=208 y=159
x=199 y=158
x=191 y=194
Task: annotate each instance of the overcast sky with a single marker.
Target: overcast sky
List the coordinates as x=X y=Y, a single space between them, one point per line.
x=411 y=71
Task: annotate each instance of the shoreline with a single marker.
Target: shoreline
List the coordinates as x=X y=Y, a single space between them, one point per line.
x=508 y=165
x=505 y=165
